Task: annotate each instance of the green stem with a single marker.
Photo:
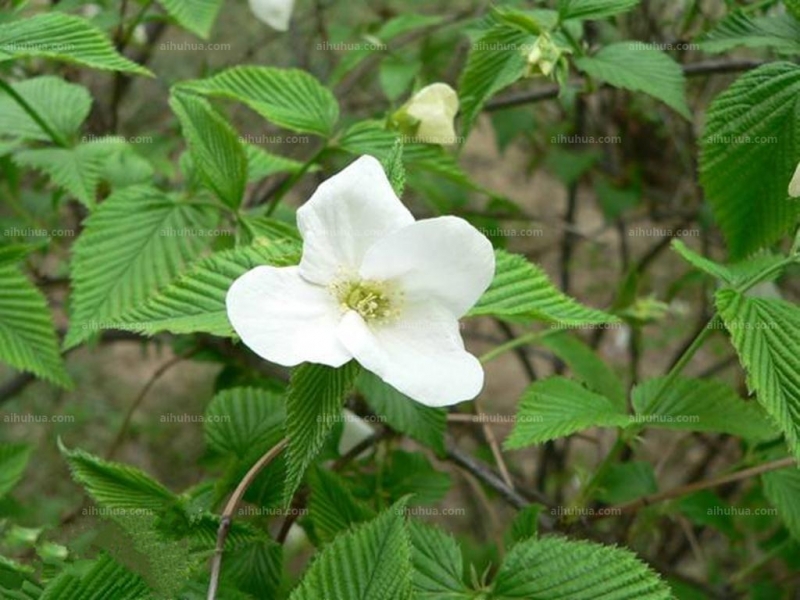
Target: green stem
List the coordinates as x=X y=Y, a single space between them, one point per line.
x=57 y=139
x=512 y=344
x=284 y=189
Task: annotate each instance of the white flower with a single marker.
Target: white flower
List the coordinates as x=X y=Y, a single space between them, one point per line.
x=372 y=285
x=794 y=184
x=275 y=13
x=434 y=107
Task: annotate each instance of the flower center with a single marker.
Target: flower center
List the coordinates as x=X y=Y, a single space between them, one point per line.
x=373 y=300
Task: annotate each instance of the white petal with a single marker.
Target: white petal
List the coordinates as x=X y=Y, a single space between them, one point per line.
x=345 y=216
x=445 y=259
x=284 y=319
x=435 y=107
x=355 y=431
x=422 y=354
x=275 y=13
x=794 y=184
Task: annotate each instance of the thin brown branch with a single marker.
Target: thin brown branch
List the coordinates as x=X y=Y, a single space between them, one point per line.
x=691 y=488
x=226 y=519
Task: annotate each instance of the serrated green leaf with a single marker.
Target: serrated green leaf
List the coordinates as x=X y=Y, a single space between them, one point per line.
x=423 y=423
x=639 y=69
x=62 y=106
x=116 y=485
x=103 y=580
x=63 y=37
x=495 y=61
x=556 y=407
x=782 y=489
x=13 y=460
x=627 y=481
x=27 y=335
x=134 y=244
x=261 y=164
x=522 y=290
x=412 y=474
x=332 y=506
x=593 y=9
x=240 y=419
x=255 y=568
x=766 y=335
x=699 y=405
x=288 y=97
x=371 y=562
x=586 y=366
x=736 y=274
x=76 y=169
x=195 y=302
x=559 y=569
x=748 y=152
x=369 y=137
x=313 y=405
x=438 y=564
x=214 y=145
x=780 y=32
x=197 y=16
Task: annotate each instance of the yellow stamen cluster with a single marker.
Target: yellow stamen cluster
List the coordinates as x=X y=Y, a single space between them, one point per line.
x=373 y=300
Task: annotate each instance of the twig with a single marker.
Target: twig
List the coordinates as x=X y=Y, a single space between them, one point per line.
x=489 y=477
x=684 y=490
x=710 y=67
x=140 y=398
x=227 y=514
x=491 y=439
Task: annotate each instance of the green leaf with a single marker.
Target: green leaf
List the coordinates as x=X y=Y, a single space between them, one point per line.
x=255 y=568
x=395 y=170
x=628 y=481
x=699 y=405
x=593 y=9
x=62 y=106
x=313 y=405
x=240 y=419
x=522 y=290
x=27 y=335
x=423 y=423
x=63 y=37
x=766 y=335
x=332 y=507
x=793 y=6
x=197 y=16
x=782 y=489
x=438 y=564
x=215 y=147
x=495 y=61
x=526 y=524
x=556 y=407
x=639 y=69
x=13 y=461
x=195 y=302
x=748 y=153
x=261 y=164
x=412 y=474
x=115 y=485
x=369 y=137
x=371 y=562
x=733 y=275
x=288 y=97
x=134 y=244
x=586 y=366
x=559 y=569
x=103 y=580
x=77 y=169
x=780 y=32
